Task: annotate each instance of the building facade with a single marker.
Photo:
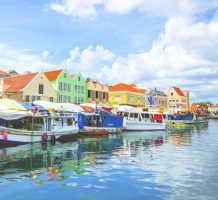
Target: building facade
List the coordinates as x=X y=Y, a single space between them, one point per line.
x=156 y=99
x=126 y=94
x=79 y=87
x=28 y=88
x=178 y=99
x=61 y=81
x=98 y=93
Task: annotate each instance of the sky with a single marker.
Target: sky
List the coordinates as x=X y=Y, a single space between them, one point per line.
x=150 y=43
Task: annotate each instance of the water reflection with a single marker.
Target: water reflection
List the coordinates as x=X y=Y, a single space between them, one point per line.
x=152 y=165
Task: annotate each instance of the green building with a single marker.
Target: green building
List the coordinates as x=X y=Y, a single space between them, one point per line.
x=72 y=89
x=79 y=87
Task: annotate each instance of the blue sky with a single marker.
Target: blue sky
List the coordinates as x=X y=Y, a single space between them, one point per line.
x=131 y=41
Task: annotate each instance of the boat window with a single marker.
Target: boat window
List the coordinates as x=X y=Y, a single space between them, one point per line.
x=131 y=115
x=136 y=115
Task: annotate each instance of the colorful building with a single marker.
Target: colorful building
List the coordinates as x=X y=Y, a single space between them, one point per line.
x=156 y=99
x=79 y=87
x=28 y=88
x=98 y=93
x=178 y=99
x=4 y=74
x=126 y=94
x=62 y=83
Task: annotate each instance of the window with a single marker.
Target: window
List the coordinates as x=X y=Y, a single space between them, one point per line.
x=130 y=98
x=96 y=94
x=78 y=88
x=136 y=115
x=60 y=86
x=27 y=98
x=65 y=75
x=41 y=88
x=75 y=88
x=78 y=78
x=60 y=98
x=89 y=93
x=117 y=98
x=69 y=87
x=82 y=99
x=65 y=86
x=82 y=89
x=75 y=100
x=78 y=100
x=104 y=95
x=51 y=99
x=69 y=99
x=131 y=115
x=64 y=99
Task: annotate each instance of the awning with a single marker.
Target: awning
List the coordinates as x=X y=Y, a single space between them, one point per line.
x=12 y=104
x=13 y=114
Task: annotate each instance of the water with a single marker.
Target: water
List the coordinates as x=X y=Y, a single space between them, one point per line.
x=178 y=164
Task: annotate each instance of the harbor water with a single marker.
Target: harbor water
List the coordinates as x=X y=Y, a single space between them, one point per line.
x=175 y=164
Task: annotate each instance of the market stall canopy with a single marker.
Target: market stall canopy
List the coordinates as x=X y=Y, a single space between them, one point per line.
x=88 y=106
x=12 y=104
x=107 y=107
x=61 y=107
x=13 y=114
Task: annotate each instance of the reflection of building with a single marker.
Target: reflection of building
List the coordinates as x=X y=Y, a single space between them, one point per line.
x=28 y=87
x=126 y=94
x=98 y=93
x=155 y=98
x=178 y=99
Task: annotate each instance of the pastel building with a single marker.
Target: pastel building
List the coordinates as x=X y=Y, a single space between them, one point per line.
x=156 y=99
x=28 y=88
x=178 y=99
x=98 y=93
x=126 y=94
x=79 y=87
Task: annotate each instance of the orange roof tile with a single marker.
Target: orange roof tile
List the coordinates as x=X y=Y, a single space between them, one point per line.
x=124 y=87
x=3 y=72
x=16 y=83
x=179 y=92
x=52 y=75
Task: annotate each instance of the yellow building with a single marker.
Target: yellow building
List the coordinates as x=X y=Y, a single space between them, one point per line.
x=178 y=99
x=126 y=94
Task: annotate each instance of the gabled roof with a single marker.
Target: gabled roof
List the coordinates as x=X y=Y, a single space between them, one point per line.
x=124 y=87
x=17 y=83
x=72 y=76
x=52 y=75
x=3 y=72
x=178 y=91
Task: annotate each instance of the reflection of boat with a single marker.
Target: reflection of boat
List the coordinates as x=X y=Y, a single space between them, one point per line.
x=100 y=122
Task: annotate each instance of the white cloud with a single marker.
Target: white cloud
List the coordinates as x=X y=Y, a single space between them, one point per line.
x=11 y=58
x=167 y=8
x=45 y=54
x=185 y=55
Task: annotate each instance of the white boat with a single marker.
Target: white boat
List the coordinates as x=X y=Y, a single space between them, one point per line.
x=36 y=128
x=138 y=120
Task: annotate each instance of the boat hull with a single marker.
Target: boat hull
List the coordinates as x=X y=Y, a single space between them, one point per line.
x=143 y=126
x=88 y=130
x=15 y=136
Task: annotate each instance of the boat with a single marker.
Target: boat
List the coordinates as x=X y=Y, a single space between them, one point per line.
x=138 y=120
x=213 y=112
x=188 y=118
x=28 y=126
x=99 y=122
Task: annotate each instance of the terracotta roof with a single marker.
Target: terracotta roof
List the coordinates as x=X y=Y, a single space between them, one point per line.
x=124 y=87
x=179 y=92
x=72 y=76
x=52 y=75
x=17 y=83
x=3 y=72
